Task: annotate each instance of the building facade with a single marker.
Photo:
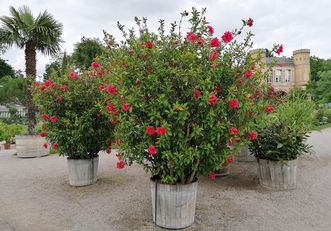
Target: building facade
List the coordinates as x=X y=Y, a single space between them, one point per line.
x=286 y=73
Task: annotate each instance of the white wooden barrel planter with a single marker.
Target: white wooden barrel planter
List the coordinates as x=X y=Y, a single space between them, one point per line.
x=277 y=175
x=31 y=146
x=83 y=172
x=245 y=155
x=174 y=206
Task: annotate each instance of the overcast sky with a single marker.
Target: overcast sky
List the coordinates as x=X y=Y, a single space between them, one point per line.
x=295 y=23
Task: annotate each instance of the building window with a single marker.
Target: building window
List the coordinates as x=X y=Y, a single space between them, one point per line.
x=277 y=75
x=288 y=75
x=270 y=76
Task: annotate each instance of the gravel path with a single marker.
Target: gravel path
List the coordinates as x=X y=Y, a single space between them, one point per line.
x=35 y=196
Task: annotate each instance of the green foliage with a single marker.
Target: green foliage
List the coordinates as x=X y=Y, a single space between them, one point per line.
x=155 y=77
x=78 y=130
x=13 y=90
x=282 y=136
x=86 y=51
x=6 y=69
x=59 y=66
x=22 y=27
x=322 y=88
x=9 y=131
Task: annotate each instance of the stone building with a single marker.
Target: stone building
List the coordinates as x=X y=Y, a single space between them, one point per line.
x=288 y=72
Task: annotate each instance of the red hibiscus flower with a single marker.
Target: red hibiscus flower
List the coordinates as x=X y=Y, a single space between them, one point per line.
x=191 y=37
x=37 y=84
x=215 y=42
x=211 y=30
x=102 y=87
x=234 y=103
x=53 y=119
x=239 y=81
x=149 y=44
x=230 y=160
x=125 y=107
x=250 y=22
x=73 y=75
x=231 y=142
x=53 y=85
x=44 y=117
x=269 y=109
x=43 y=134
x=217 y=89
x=248 y=74
x=120 y=164
x=212 y=100
x=45 y=145
x=111 y=107
x=252 y=135
x=95 y=65
x=201 y=41
x=48 y=83
x=63 y=88
x=150 y=130
x=55 y=146
x=43 y=88
x=58 y=98
x=227 y=37
x=279 y=49
x=161 y=131
x=152 y=150
x=111 y=89
x=138 y=81
x=212 y=176
x=233 y=131
x=197 y=93
x=213 y=55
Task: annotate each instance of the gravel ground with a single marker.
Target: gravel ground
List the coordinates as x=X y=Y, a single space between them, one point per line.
x=35 y=196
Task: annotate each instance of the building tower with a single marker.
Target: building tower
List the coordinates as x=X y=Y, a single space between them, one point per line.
x=301 y=60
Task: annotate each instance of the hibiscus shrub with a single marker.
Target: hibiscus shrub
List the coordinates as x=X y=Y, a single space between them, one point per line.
x=72 y=122
x=182 y=104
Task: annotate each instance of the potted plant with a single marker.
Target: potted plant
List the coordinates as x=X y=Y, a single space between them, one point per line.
x=179 y=103
x=72 y=122
x=282 y=138
x=8 y=132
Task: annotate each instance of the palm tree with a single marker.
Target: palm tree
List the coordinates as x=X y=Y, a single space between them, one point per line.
x=31 y=34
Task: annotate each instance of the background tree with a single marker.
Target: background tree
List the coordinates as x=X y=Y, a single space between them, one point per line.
x=12 y=90
x=85 y=52
x=42 y=33
x=320 y=81
x=60 y=63
x=6 y=69
x=322 y=88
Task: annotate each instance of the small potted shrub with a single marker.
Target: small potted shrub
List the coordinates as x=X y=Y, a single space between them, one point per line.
x=181 y=104
x=73 y=124
x=281 y=139
x=8 y=132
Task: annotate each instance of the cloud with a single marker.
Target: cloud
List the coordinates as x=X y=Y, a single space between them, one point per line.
x=297 y=23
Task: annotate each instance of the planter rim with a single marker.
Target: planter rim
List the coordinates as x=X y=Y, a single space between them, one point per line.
x=158 y=181
x=95 y=157
x=279 y=161
x=28 y=136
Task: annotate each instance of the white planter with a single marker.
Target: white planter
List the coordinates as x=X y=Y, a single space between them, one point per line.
x=83 y=171
x=175 y=204
x=31 y=146
x=277 y=175
x=245 y=155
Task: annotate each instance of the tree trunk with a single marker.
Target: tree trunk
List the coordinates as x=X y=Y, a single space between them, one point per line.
x=30 y=70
